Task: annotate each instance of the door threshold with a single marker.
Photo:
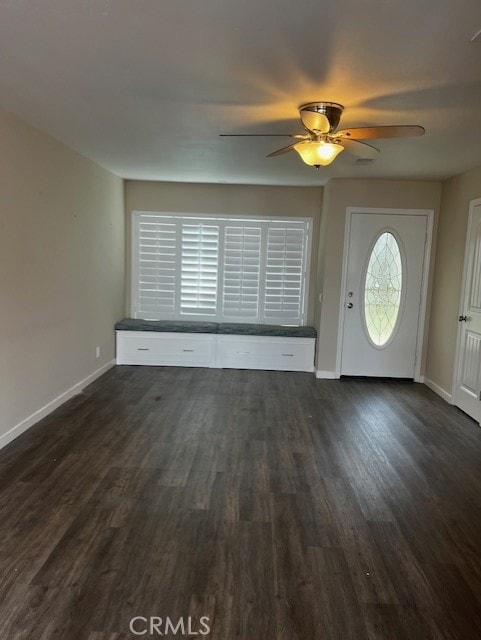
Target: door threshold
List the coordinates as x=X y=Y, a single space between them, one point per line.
x=376 y=379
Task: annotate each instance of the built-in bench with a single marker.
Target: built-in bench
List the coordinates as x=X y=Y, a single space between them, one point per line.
x=211 y=344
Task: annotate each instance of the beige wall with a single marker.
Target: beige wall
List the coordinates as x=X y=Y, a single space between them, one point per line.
x=456 y=195
x=228 y=200
x=61 y=269
x=338 y=196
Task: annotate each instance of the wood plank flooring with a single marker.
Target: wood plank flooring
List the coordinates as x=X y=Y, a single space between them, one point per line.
x=280 y=506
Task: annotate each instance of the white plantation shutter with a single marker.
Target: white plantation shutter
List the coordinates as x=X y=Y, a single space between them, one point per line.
x=242 y=262
x=200 y=261
x=156 y=283
x=285 y=273
x=220 y=269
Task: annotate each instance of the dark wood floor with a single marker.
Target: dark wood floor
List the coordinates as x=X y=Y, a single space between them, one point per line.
x=280 y=506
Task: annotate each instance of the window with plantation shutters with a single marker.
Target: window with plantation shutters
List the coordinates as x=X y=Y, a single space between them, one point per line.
x=285 y=271
x=199 y=269
x=155 y=249
x=241 y=272
x=220 y=269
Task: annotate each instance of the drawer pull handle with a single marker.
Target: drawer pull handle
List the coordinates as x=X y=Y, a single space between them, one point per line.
x=288 y=354
x=242 y=353
x=189 y=350
x=142 y=349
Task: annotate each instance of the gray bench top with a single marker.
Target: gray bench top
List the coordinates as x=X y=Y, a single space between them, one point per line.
x=175 y=326
x=245 y=329
x=225 y=328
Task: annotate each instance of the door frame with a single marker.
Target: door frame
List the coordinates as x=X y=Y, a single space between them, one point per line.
x=429 y=214
x=457 y=358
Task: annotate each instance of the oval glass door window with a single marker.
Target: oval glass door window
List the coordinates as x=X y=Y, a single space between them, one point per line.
x=383 y=288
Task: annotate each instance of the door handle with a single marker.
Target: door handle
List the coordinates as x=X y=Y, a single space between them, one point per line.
x=463 y=318
x=349 y=305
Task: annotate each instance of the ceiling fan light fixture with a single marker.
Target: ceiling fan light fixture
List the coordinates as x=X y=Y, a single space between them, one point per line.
x=315 y=153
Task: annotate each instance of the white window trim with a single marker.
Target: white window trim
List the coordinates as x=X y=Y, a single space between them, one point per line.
x=308 y=221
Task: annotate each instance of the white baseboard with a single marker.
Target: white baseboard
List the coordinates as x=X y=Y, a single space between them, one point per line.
x=326 y=375
x=437 y=389
x=21 y=427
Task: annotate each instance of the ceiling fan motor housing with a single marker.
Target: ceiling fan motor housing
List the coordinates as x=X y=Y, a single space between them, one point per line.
x=332 y=111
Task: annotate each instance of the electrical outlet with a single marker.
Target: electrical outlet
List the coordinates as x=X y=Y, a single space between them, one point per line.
x=97 y=352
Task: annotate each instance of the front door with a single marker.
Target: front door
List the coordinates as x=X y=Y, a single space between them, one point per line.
x=383 y=293
x=468 y=383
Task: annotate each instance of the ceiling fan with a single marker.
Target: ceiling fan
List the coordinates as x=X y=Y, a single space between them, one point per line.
x=321 y=143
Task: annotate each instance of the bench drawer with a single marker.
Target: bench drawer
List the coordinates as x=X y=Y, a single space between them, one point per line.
x=162 y=348
x=269 y=353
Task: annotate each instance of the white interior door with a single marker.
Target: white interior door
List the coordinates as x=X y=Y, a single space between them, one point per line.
x=468 y=383
x=383 y=293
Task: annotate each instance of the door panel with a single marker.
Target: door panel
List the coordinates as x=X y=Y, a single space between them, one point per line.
x=468 y=382
x=384 y=277
x=470 y=365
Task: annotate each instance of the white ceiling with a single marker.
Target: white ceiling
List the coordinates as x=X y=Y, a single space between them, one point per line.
x=144 y=87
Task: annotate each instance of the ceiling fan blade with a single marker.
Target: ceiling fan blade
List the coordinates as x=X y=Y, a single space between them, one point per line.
x=279 y=152
x=370 y=133
x=358 y=149
x=262 y=135
x=315 y=121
